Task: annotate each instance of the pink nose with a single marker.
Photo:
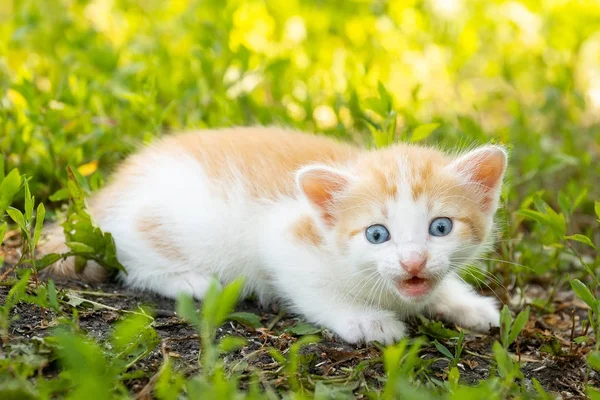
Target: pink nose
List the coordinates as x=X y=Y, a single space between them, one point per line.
x=414 y=263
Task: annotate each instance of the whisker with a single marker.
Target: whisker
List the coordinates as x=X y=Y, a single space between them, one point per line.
x=496 y=260
x=488 y=286
x=487 y=274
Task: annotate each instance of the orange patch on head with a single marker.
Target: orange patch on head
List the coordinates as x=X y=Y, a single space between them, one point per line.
x=355 y=232
x=476 y=228
x=154 y=232
x=422 y=175
x=384 y=179
x=306 y=231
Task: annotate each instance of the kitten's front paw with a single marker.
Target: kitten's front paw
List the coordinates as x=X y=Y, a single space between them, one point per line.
x=371 y=326
x=480 y=315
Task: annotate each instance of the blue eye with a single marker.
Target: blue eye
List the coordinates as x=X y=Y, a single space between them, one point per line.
x=440 y=226
x=377 y=234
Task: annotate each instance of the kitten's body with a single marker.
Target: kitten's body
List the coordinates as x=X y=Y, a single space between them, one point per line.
x=232 y=203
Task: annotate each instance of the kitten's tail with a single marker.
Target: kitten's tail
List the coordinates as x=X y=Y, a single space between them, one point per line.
x=53 y=241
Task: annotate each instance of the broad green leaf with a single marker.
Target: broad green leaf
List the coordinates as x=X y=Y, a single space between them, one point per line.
x=422 y=132
x=87 y=367
x=17 y=292
x=534 y=215
x=3 y=228
x=584 y=293
x=505 y=365
x=77 y=247
x=593 y=394
x=227 y=300
x=436 y=329
x=18 y=217
x=18 y=388
x=597 y=209
x=39 y=223
x=518 y=325
x=303 y=328
x=52 y=298
x=75 y=191
x=564 y=203
x=249 y=319
x=81 y=181
x=540 y=390
x=293 y=362
x=385 y=97
x=8 y=189
x=75 y=301
x=593 y=360
x=581 y=339
x=277 y=356
x=579 y=199
x=231 y=343
x=377 y=105
x=186 y=309
x=443 y=349
x=170 y=383
x=110 y=253
x=47 y=260
x=505 y=323
x=454 y=376
x=459 y=345
x=581 y=239
x=96 y=181
x=29 y=204
x=61 y=194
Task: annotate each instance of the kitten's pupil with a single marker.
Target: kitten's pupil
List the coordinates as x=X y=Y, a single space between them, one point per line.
x=441 y=228
x=376 y=235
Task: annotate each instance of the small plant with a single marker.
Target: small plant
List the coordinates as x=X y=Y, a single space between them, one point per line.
x=509 y=329
x=29 y=223
x=454 y=358
x=401 y=363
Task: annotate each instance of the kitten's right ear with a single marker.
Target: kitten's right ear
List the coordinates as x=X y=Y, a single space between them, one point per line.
x=321 y=185
x=484 y=168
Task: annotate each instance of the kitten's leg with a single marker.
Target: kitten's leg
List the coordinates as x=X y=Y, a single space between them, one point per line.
x=457 y=302
x=360 y=326
x=170 y=286
x=352 y=322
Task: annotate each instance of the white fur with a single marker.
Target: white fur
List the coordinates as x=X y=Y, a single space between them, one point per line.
x=348 y=290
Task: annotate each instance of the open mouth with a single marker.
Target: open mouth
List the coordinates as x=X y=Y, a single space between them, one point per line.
x=415 y=286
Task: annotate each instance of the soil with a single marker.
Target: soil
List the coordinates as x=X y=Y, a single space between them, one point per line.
x=562 y=374
x=545 y=347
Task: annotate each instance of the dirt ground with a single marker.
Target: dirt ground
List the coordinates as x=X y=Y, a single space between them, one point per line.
x=562 y=374
x=545 y=347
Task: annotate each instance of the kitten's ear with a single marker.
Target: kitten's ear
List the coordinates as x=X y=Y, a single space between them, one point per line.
x=484 y=168
x=320 y=185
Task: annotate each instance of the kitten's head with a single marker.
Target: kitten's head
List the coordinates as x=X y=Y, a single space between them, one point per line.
x=406 y=215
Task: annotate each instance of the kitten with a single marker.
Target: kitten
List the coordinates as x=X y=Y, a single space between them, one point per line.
x=353 y=240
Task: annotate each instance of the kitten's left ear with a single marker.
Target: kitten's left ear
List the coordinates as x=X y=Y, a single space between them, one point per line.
x=484 y=169
x=321 y=185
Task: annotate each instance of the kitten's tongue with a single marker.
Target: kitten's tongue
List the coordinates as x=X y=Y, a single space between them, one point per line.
x=414 y=287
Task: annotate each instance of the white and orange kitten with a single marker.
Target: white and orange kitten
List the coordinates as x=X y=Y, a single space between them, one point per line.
x=353 y=240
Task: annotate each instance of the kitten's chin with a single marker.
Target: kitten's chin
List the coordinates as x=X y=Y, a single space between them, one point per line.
x=414 y=287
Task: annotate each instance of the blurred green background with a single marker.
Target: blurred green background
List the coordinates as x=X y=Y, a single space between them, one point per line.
x=84 y=82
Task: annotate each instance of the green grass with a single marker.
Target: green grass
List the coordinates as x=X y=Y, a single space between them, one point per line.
x=83 y=83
